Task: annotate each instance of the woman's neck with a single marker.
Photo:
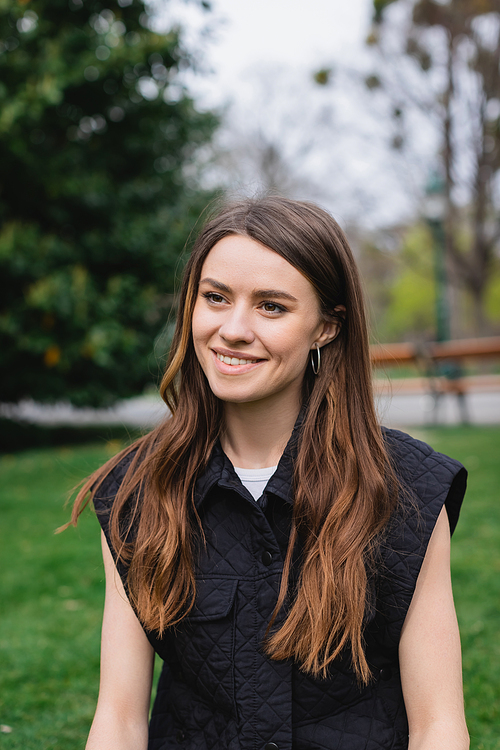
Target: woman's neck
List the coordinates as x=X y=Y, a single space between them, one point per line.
x=255 y=434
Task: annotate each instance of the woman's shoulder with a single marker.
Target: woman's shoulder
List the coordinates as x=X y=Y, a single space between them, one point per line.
x=104 y=492
x=107 y=485
x=431 y=478
x=412 y=454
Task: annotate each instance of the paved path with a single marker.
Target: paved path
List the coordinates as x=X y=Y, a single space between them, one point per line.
x=397 y=410
x=401 y=410
x=142 y=411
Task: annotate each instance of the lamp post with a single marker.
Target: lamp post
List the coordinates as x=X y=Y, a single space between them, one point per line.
x=434 y=212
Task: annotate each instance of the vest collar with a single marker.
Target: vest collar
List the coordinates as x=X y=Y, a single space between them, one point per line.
x=220 y=470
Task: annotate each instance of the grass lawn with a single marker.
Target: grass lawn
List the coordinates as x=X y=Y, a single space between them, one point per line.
x=51 y=591
x=476 y=575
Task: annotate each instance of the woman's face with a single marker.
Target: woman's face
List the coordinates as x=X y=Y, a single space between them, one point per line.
x=255 y=321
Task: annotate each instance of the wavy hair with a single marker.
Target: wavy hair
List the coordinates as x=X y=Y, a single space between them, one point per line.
x=345 y=488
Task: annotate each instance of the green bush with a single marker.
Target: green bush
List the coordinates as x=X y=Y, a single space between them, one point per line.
x=98 y=193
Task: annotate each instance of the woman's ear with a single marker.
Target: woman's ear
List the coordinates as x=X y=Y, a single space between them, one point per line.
x=332 y=325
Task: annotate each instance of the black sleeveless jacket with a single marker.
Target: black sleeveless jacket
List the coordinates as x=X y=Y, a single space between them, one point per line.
x=218 y=690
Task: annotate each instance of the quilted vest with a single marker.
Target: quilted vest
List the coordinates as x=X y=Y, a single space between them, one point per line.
x=218 y=690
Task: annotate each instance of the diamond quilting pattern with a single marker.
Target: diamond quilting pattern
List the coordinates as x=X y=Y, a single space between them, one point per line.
x=204 y=643
x=226 y=694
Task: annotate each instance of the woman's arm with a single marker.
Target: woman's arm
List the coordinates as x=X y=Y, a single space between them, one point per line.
x=429 y=653
x=121 y=718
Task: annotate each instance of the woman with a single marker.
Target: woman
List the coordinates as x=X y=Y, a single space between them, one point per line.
x=287 y=558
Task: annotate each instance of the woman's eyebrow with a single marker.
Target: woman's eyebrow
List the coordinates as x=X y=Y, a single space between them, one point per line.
x=275 y=293
x=216 y=284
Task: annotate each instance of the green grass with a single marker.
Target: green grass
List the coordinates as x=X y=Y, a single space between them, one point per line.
x=476 y=575
x=52 y=586
x=51 y=593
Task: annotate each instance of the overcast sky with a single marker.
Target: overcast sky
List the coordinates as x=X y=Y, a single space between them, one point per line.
x=286 y=41
x=295 y=32
x=300 y=33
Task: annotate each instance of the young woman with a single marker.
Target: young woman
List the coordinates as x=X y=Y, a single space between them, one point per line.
x=285 y=556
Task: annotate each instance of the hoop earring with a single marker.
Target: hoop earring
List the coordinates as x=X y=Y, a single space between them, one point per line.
x=317 y=365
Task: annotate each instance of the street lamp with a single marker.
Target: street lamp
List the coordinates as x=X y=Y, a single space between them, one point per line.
x=434 y=210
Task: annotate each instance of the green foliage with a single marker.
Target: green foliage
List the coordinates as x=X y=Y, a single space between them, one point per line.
x=98 y=142
x=323 y=76
x=379 y=7
x=52 y=594
x=450 y=66
x=411 y=311
x=401 y=287
x=492 y=303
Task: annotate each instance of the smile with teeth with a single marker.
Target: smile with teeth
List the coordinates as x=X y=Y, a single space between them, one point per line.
x=235 y=360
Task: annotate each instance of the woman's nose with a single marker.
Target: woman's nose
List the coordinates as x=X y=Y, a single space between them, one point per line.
x=236 y=326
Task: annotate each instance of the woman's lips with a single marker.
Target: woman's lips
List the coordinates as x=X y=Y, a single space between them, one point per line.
x=230 y=364
x=234 y=360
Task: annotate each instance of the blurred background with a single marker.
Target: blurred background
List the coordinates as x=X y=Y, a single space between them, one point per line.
x=120 y=121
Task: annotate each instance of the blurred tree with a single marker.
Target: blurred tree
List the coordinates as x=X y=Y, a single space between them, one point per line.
x=397 y=267
x=443 y=59
x=275 y=149
x=99 y=146
x=410 y=313
x=493 y=296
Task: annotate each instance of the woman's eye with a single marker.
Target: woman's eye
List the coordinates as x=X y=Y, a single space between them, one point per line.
x=214 y=297
x=272 y=307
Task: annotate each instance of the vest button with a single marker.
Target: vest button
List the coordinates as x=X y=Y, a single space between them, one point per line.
x=180 y=736
x=271 y=746
x=385 y=673
x=267 y=559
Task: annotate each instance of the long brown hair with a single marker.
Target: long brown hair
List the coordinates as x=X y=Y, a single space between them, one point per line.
x=345 y=488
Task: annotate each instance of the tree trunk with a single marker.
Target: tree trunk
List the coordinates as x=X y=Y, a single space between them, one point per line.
x=480 y=322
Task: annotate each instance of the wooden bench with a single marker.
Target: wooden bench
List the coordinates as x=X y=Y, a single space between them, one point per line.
x=441 y=363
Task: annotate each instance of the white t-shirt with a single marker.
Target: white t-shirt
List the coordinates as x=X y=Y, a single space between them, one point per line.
x=255 y=480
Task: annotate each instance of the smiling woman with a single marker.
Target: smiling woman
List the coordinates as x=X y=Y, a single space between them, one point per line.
x=284 y=555
x=253 y=341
